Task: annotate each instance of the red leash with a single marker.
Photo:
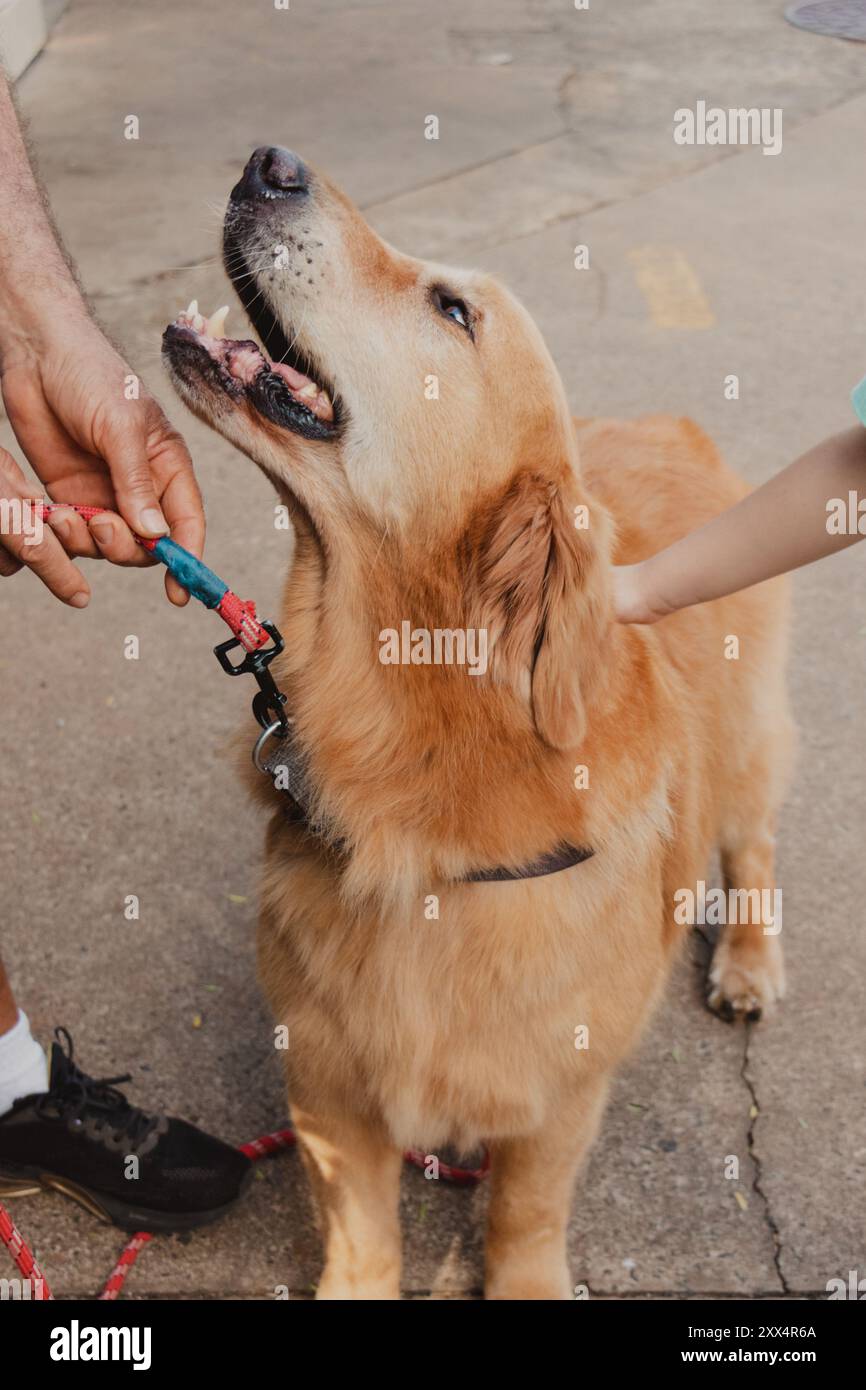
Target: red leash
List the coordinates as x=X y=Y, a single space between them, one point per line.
x=263 y=1147
x=23 y=1256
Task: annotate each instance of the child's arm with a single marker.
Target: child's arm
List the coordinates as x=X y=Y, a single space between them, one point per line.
x=779 y=527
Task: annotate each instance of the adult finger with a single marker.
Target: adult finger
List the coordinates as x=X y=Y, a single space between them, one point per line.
x=71 y=530
x=182 y=504
x=42 y=552
x=115 y=542
x=106 y=537
x=30 y=542
x=124 y=447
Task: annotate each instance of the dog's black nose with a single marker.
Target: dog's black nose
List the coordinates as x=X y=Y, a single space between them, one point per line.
x=271 y=172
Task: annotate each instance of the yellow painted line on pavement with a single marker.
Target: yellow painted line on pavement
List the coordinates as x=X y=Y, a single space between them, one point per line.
x=671 y=288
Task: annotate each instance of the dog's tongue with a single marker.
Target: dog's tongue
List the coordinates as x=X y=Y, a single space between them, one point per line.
x=296 y=380
x=245 y=359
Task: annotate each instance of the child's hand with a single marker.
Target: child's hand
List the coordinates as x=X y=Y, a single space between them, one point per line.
x=633 y=598
x=782 y=525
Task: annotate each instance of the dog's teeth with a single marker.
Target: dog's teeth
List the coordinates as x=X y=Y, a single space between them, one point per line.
x=310 y=391
x=324 y=409
x=191 y=312
x=199 y=323
x=217 y=322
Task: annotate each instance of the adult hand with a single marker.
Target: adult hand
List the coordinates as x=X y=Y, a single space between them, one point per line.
x=94 y=435
x=25 y=541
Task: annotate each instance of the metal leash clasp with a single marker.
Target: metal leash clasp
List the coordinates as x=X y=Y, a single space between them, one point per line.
x=269 y=705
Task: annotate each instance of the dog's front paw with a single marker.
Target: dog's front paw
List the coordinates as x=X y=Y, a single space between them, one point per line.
x=746 y=979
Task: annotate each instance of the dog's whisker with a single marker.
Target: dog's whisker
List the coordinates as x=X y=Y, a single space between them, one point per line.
x=196 y=265
x=291 y=346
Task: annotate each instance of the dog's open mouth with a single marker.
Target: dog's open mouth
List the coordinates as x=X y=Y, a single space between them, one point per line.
x=273 y=381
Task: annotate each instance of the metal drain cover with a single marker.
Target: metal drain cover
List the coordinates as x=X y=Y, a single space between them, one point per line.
x=843 y=19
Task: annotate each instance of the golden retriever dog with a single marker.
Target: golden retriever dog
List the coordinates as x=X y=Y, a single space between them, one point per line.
x=412 y=421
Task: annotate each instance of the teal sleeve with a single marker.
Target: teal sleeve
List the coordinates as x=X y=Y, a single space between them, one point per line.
x=858 y=400
x=193 y=574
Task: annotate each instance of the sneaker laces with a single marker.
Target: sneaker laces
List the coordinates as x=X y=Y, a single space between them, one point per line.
x=72 y=1094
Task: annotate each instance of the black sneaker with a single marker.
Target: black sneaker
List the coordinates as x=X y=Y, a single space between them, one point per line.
x=80 y=1137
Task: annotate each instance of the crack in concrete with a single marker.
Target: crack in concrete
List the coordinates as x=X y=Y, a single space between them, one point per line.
x=757 y=1164
x=708 y=943
x=561 y=104
x=463 y=170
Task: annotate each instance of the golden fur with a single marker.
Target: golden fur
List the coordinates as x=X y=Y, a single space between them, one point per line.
x=407 y=1028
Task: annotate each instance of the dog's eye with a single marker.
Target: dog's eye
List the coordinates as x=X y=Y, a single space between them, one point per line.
x=455 y=309
x=452 y=308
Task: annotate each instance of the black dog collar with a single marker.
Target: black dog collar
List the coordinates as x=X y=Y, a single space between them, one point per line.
x=284 y=764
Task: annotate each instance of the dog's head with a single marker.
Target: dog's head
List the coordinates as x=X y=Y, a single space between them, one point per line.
x=413 y=418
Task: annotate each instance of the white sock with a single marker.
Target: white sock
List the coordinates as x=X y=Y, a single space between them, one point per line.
x=23 y=1064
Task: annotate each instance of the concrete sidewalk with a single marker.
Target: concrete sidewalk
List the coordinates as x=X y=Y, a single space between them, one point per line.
x=555 y=131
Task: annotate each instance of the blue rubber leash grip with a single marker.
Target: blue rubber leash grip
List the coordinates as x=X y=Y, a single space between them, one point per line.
x=193 y=574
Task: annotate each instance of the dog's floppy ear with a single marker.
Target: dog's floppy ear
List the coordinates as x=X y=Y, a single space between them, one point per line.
x=538 y=586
